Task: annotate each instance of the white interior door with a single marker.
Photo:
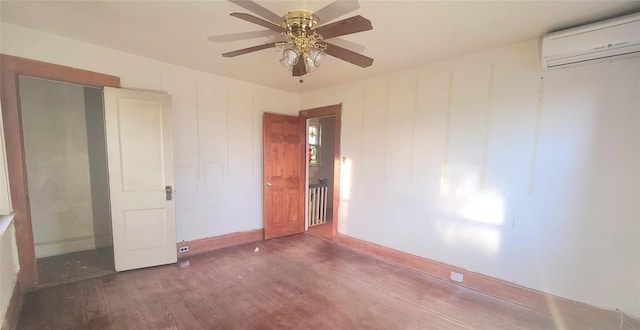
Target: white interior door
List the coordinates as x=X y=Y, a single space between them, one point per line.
x=140 y=157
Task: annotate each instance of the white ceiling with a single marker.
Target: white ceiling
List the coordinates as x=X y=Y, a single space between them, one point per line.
x=405 y=33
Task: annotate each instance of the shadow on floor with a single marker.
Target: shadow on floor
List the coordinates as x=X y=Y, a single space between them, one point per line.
x=81 y=264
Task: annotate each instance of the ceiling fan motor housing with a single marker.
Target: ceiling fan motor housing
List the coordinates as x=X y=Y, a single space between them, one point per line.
x=299 y=25
x=300 y=22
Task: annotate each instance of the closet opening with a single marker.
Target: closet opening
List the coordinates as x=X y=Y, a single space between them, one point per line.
x=65 y=157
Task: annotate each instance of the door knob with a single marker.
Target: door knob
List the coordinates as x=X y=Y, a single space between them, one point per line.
x=268 y=183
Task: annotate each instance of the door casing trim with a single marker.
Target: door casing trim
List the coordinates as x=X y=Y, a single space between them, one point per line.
x=334 y=110
x=11 y=67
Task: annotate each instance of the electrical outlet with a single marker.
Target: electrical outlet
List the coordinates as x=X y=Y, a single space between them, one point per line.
x=184 y=249
x=457 y=277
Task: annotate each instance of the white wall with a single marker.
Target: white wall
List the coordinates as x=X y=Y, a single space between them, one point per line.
x=460 y=162
x=217 y=128
x=8 y=253
x=57 y=161
x=8 y=265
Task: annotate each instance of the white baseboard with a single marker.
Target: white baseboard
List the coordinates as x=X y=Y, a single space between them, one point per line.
x=75 y=244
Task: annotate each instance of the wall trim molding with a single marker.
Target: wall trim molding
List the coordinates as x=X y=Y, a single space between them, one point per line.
x=66 y=245
x=218 y=242
x=12 y=315
x=570 y=310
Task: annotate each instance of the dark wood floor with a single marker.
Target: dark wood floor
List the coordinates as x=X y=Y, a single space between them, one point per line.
x=73 y=265
x=296 y=282
x=324 y=230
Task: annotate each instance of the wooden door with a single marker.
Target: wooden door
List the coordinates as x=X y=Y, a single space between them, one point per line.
x=284 y=175
x=140 y=157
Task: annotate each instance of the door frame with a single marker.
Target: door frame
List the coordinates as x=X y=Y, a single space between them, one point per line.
x=327 y=111
x=10 y=68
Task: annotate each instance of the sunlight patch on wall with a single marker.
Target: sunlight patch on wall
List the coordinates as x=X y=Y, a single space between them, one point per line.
x=345 y=178
x=345 y=192
x=485 y=207
x=461 y=196
x=472 y=215
x=459 y=180
x=470 y=234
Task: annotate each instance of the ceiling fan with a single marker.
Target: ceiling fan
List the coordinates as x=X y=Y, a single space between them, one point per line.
x=300 y=34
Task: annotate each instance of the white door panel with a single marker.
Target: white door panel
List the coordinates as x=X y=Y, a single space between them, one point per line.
x=140 y=154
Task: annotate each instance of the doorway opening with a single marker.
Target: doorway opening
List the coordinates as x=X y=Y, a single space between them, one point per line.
x=324 y=153
x=320 y=175
x=65 y=156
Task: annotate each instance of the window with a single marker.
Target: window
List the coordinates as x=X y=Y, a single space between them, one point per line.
x=313 y=137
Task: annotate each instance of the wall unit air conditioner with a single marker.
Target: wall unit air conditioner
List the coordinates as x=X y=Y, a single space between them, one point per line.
x=611 y=39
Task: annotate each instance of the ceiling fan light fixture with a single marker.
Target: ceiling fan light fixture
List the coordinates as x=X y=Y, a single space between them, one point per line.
x=315 y=59
x=317 y=56
x=289 y=57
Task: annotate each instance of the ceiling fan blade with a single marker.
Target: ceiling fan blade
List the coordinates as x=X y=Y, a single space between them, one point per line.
x=242 y=36
x=336 y=9
x=350 y=45
x=259 y=21
x=299 y=69
x=346 y=26
x=349 y=56
x=258 y=10
x=249 y=50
